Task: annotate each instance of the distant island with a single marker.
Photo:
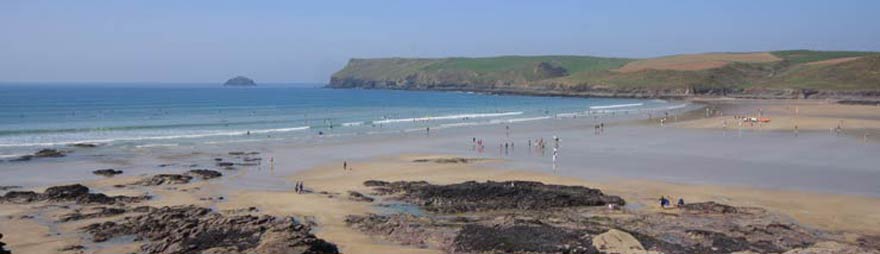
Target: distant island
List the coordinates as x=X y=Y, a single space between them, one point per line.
x=240 y=81
x=842 y=75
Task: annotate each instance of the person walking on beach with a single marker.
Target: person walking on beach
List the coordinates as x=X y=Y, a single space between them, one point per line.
x=344 y=165
x=508 y=130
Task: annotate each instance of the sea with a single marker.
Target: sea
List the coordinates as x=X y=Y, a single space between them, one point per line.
x=34 y=116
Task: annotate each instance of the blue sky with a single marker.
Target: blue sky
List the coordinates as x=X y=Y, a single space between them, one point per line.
x=306 y=41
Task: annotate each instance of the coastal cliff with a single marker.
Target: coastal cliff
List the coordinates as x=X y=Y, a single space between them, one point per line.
x=838 y=75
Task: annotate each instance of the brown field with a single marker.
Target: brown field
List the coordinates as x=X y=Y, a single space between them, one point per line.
x=834 y=61
x=696 y=62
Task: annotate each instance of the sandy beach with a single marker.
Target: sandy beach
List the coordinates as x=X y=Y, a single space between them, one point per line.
x=608 y=161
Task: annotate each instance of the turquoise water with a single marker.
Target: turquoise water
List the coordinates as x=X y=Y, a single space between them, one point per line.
x=38 y=116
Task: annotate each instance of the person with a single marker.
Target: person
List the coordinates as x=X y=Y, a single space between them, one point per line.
x=680 y=202
x=344 y=165
x=664 y=202
x=428 y=131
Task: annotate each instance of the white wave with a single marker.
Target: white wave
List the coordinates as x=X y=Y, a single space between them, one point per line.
x=446 y=117
x=569 y=115
x=617 y=106
x=186 y=136
x=156 y=145
x=7 y=156
x=352 y=124
x=516 y=120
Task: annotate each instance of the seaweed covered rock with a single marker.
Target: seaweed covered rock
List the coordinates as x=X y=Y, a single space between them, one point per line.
x=2 y=246
x=475 y=196
x=190 y=230
x=163 y=179
x=107 y=172
x=66 y=193
x=204 y=174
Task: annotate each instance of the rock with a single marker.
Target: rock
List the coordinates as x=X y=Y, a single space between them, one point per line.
x=520 y=238
x=96 y=212
x=473 y=196
x=107 y=172
x=869 y=242
x=2 y=246
x=67 y=193
x=162 y=179
x=190 y=230
x=84 y=145
x=619 y=242
x=225 y=164
x=454 y=160
x=829 y=247
x=44 y=153
x=49 y=153
x=72 y=248
x=9 y=187
x=357 y=196
x=375 y=183
x=204 y=174
x=240 y=81
x=709 y=207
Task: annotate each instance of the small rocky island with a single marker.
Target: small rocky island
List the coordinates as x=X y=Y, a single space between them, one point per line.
x=240 y=81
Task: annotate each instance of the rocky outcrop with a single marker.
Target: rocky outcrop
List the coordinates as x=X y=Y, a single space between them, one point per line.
x=506 y=217
x=92 y=212
x=107 y=172
x=204 y=174
x=163 y=179
x=357 y=196
x=43 y=153
x=240 y=81
x=474 y=196
x=68 y=193
x=190 y=230
x=2 y=246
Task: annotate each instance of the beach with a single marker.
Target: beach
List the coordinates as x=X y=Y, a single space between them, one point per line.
x=823 y=182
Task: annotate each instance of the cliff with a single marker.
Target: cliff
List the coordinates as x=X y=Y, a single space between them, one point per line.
x=841 y=75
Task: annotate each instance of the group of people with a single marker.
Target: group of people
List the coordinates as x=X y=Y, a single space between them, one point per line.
x=666 y=203
x=299 y=187
x=599 y=129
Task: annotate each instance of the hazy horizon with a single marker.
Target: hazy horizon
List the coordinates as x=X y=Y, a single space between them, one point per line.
x=200 y=42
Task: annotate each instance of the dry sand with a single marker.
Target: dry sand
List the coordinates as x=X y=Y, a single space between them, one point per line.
x=784 y=115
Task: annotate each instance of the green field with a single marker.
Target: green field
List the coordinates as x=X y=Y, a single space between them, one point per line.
x=791 y=69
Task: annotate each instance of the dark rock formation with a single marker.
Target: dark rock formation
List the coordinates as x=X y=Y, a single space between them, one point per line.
x=2 y=246
x=709 y=207
x=473 y=196
x=225 y=164
x=446 y=160
x=68 y=193
x=9 y=187
x=204 y=174
x=190 y=230
x=84 y=145
x=240 y=81
x=44 y=153
x=107 y=172
x=162 y=179
x=357 y=196
x=94 y=212
x=870 y=242
x=49 y=153
x=530 y=217
x=72 y=248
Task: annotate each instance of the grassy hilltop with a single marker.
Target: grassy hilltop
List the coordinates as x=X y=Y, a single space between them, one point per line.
x=777 y=74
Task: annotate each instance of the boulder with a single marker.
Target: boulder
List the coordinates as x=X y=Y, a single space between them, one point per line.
x=204 y=174
x=107 y=172
x=163 y=179
x=2 y=246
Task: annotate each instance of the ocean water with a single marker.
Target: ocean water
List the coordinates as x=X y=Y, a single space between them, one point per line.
x=35 y=116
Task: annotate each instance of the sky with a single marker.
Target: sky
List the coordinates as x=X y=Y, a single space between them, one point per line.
x=205 y=41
